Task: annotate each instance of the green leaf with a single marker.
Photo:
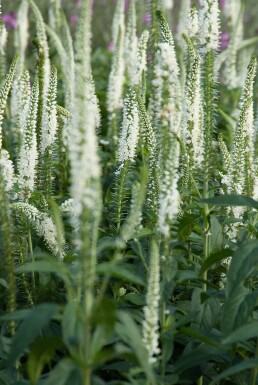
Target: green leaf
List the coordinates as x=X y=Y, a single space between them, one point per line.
x=243 y=333
x=72 y=327
x=40 y=354
x=243 y=263
x=30 y=328
x=243 y=365
x=231 y=309
x=232 y=200
x=47 y=265
x=215 y=258
x=61 y=373
x=130 y=333
x=201 y=336
x=216 y=241
x=119 y=271
x=196 y=357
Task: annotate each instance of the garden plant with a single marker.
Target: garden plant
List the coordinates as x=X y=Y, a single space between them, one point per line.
x=128 y=193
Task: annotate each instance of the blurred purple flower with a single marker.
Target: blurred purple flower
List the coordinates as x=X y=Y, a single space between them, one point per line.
x=222 y=2
x=73 y=19
x=111 y=47
x=10 y=20
x=224 y=40
x=146 y=19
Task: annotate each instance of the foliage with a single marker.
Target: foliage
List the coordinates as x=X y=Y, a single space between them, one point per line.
x=128 y=197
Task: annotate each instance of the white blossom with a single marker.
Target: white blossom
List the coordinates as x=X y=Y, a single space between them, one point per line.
x=151 y=310
x=169 y=200
x=166 y=72
x=192 y=117
x=44 y=227
x=167 y=4
x=209 y=25
x=131 y=40
x=130 y=130
x=140 y=64
x=49 y=127
x=85 y=168
x=7 y=170
x=185 y=6
x=192 y=22
x=28 y=152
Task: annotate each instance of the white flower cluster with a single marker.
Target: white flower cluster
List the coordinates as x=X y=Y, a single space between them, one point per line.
x=21 y=100
x=85 y=168
x=166 y=72
x=151 y=310
x=192 y=26
x=22 y=33
x=133 y=220
x=118 y=26
x=116 y=77
x=4 y=91
x=140 y=64
x=7 y=170
x=28 y=152
x=232 y=10
x=169 y=201
x=49 y=127
x=130 y=130
x=44 y=227
x=167 y=4
x=192 y=118
x=233 y=74
x=209 y=25
x=185 y=6
x=3 y=38
x=241 y=165
x=131 y=40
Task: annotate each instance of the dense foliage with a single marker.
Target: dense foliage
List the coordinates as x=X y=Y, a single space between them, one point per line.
x=128 y=195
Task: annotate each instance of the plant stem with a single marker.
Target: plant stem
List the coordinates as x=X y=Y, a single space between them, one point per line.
x=32 y=257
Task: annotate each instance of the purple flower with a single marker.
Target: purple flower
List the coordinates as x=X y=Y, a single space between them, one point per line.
x=222 y=3
x=111 y=46
x=73 y=19
x=146 y=19
x=10 y=20
x=224 y=40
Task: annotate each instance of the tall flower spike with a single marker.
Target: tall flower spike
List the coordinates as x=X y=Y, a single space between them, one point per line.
x=22 y=34
x=116 y=78
x=130 y=130
x=192 y=117
x=232 y=78
x=49 y=128
x=131 y=40
x=140 y=64
x=28 y=153
x=209 y=25
x=239 y=178
x=167 y=4
x=7 y=170
x=118 y=21
x=169 y=199
x=185 y=6
x=4 y=91
x=151 y=310
x=43 y=225
x=192 y=23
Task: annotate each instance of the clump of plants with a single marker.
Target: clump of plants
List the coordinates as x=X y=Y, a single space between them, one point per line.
x=128 y=198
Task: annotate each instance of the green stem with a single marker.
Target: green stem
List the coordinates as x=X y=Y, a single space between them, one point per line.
x=120 y=194
x=32 y=257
